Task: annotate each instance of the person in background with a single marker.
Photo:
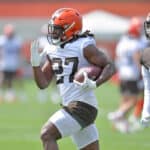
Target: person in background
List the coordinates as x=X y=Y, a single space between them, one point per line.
x=135 y=116
x=145 y=62
x=128 y=52
x=10 y=49
x=71 y=50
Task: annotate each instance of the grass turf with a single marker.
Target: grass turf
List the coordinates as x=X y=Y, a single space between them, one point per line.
x=21 y=121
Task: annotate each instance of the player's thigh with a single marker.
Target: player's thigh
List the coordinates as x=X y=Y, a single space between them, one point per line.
x=129 y=88
x=64 y=122
x=87 y=138
x=9 y=75
x=49 y=131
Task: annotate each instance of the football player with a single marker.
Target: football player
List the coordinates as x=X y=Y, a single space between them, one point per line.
x=129 y=69
x=70 y=51
x=10 y=49
x=145 y=61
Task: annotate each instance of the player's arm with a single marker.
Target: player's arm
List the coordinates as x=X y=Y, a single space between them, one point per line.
x=43 y=75
x=136 y=58
x=99 y=58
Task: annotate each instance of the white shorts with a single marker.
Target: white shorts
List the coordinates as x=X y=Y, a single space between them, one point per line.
x=68 y=126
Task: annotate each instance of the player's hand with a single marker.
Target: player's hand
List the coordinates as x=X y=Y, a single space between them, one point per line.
x=145 y=122
x=87 y=83
x=35 y=55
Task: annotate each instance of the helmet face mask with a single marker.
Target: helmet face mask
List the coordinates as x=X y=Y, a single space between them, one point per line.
x=64 y=24
x=147 y=27
x=55 y=34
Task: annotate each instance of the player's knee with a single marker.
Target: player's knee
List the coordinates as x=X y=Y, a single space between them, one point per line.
x=49 y=133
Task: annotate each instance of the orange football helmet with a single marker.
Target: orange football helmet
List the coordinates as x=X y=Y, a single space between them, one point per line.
x=64 y=24
x=135 y=27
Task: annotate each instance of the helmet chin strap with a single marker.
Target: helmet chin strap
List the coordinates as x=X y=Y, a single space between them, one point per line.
x=56 y=41
x=59 y=41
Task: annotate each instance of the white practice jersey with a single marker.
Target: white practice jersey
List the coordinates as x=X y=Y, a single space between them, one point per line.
x=127 y=68
x=65 y=62
x=146 y=79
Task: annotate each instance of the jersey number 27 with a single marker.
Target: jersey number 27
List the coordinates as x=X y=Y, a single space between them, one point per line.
x=59 y=70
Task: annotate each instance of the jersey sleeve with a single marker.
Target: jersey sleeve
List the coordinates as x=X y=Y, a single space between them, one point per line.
x=87 y=41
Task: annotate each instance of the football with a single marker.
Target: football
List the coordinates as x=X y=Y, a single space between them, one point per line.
x=92 y=71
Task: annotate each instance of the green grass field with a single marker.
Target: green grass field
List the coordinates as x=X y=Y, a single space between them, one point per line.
x=20 y=122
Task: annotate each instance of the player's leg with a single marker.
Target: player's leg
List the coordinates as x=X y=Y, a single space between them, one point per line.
x=59 y=125
x=10 y=95
x=129 y=94
x=87 y=138
x=139 y=105
x=92 y=146
x=8 y=78
x=133 y=118
x=49 y=135
x=138 y=108
x=128 y=104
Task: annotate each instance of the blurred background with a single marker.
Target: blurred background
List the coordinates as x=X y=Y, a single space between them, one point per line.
x=23 y=111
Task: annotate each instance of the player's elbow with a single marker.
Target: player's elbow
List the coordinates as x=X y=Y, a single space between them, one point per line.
x=112 y=68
